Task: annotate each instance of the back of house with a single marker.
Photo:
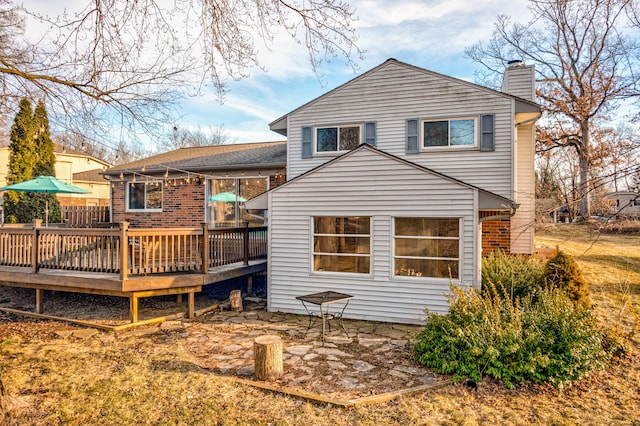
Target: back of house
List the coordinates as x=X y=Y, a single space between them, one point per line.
x=397 y=182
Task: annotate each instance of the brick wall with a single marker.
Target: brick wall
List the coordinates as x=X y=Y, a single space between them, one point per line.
x=496 y=234
x=182 y=206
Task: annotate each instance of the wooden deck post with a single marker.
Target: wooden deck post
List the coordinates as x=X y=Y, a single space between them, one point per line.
x=250 y=285
x=205 y=247
x=37 y=223
x=133 y=308
x=246 y=243
x=191 y=309
x=39 y=292
x=124 y=251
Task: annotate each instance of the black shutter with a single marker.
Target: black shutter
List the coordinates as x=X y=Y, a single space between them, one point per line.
x=307 y=141
x=370 y=133
x=487 y=132
x=412 y=137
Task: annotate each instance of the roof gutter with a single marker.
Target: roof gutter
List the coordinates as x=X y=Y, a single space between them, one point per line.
x=202 y=170
x=512 y=211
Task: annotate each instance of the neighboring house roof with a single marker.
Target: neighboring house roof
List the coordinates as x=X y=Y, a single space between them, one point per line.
x=61 y=149
x=487 y=200
x=522 y=105
x=94 y=175
x=623 y=194
x=209 y=158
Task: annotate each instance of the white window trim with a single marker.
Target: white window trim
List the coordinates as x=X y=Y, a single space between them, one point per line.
x=392 y=269
x=129 y=210
x=360 y=127
x=312 y=252
x=476 y=137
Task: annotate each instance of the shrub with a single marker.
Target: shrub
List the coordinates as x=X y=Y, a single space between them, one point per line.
x=547 y=338
x=514 y=276
x=563 y=273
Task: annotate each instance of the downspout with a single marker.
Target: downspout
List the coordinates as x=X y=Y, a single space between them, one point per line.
x=531 y=120
x=512 y=212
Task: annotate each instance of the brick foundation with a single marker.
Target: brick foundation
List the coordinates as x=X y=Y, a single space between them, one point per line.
x=496 y=234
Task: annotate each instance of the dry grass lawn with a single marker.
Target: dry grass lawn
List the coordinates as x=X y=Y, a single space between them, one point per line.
x=147 y=380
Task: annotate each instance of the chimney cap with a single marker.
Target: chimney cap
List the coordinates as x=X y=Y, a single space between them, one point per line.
x=515 y=63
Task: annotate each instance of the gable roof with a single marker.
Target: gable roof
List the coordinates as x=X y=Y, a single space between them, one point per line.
x=488 y=200
x=94 y=175
x=279 y=125
x=211 y=158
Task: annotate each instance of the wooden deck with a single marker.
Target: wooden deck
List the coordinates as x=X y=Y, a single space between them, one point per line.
x=124 y=262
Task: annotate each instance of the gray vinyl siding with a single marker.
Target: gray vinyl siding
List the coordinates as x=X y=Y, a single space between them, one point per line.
x=366 y=183
x=520 y=81
x=394 y=93
x=522 y=224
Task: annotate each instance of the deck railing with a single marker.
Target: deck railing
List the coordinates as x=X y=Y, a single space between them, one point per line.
x=129 y=251
x=231 y=245
x=84 y=216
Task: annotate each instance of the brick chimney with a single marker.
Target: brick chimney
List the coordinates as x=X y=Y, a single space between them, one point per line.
x=519 y=80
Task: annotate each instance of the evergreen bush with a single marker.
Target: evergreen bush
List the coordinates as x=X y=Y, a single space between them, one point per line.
x=563 y=272
x=514 y=276
x=544 y=338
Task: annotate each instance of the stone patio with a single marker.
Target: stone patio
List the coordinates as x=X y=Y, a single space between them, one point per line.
x=374 y=359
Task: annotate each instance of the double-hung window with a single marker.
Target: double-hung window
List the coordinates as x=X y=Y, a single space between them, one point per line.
x=427 y=247
x=337 y=138
x=449 y=133
x=144 y=196
x=342 y=244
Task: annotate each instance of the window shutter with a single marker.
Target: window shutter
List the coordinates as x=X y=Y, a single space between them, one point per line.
x=412 y=137
x=370 y=133
x=307 y=141
x=487 y=132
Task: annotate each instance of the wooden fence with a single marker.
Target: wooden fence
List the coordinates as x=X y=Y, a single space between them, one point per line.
x=84 y=216
x=129 y=251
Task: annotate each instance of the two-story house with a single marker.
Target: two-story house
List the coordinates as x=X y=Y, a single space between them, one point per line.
x=397 y=182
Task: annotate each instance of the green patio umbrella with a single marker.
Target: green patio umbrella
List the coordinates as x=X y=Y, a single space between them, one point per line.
x=227 y=197
x=47 y=184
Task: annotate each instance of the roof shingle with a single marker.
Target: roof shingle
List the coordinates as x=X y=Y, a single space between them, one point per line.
x=208 y=158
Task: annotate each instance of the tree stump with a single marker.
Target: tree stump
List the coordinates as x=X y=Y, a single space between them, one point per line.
x=235 y=298
x=267 y=351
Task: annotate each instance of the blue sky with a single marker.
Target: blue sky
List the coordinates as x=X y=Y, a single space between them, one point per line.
x=428 y=33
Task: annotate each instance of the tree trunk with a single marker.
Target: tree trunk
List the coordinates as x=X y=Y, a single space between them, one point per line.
x=267 y=351
x=235 y=299
x=584 y=156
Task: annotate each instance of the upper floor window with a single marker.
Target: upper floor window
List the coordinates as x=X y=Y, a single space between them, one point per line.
x=339 y=138
x=144 y=195
x=473 y=133
x=325 y=140
x=449 y=133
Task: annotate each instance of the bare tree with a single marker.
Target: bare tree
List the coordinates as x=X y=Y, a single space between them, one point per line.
x=183 y=138
x=585 y=64
x=124 y=63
